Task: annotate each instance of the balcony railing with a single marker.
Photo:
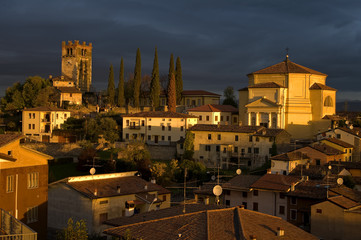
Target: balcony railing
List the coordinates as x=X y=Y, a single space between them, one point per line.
x=13 y=229
x=134 y=127
x=45 y=120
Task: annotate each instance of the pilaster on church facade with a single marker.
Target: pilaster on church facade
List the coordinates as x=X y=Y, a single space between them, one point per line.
x=287 y=96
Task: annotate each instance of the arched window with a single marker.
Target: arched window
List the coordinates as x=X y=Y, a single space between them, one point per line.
x=328 y=102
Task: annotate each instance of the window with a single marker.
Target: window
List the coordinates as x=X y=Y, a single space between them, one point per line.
x=169 y=119
x=103 y=217
x=181 y=128
x=255 y=192
x=350 y=151
x=164 y=198
x=293 y=200
x=149 y=137
x=65 y=116
x=127 y=136
x=163 y=119
x=33 y=126
x=218 y=148
x=209 y=136
x=338 y=136
x=34 y=115
x=318 y=162
x=224 y=150
x=328 y=102
x=30 y=115
x=150 y=119
x=319 y=210
x=33 y=180
x=29 y=126
x=282 y=196
x=244 y=204
x=207 y=118
x=163 y=128
x=255 y=206
x=243 y=151
x=256 y=150
x=103 y=202
x=10 y=183
x=227 y=118
x=169 y=128
x=57 y=116
x=143 y=123
x=135 y=136
x=32 y=214
x=219 y=137
x=181 y=146
x=249 y=150
x=142 y=136
x=282 y=210
x=208 y=148
x=236 y=138
x=216 y=118
x=127 y=122
x=169 y=138
x=149 y=127
x=200 y=117
x=236 y=149
x=235 y=119
x=257 y=139
x=250 y=138
x=293 y=213
x=228 y=202
x=244 y=194
x=221 y=118
x=163 y=138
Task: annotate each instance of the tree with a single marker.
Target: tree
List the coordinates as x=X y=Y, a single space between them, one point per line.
x=188 y=145
x=121 y=100
x=74 y=231
x=178 y=80
x=101 y=126
x=111 y=86
x=171 y=93
x=171 y=68
x=155 y=84
x=137 y=78
x=229 y=98
x=31 y=88
x=273 y=149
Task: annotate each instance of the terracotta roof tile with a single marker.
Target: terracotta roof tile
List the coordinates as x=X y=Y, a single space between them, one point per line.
x=46 y=109
x=160 y=114
x=319 y=86
x=275 y=182
x=347 y=165
x=62 y=78
x=7 y=157
x=8 y=138
x=270 y=132
x=229 y=223
x=267 y=85
x=225 y=128
x=68 y=89
x=214 y=108
x=310 y=189
x=333 y=117
x=328 y=150
x=338 y=142
x=355 y=130
x=241 y=182
x=290 y=156
x=343 y=202
x=287 y=67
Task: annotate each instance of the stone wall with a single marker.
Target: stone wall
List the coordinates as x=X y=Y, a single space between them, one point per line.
x=162 y=152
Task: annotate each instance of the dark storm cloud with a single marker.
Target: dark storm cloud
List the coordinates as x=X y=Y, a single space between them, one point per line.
x=219 y=43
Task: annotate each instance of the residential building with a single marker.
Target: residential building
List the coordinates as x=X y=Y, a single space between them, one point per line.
x=69 y=95
x=286 y=162
x=288 y=96
x=340 y=145
x=162 y=128
x=349 y=134
x=226 y=145
x=320 y=172
x=338 y=217
x=215 y=114
x=12 y=228
x=204 y=194
x=76 y=63
x=24 y=183
x=228 y=223
x=38 y=123
x=96 y=198
x=62 y=81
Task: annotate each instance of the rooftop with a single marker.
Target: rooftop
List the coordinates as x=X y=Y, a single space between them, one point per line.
x=338 y=142
x=286 y=67
x=8 y=138
x=160 y=114
x=229 y=223
x=276 y=182
x=214 y=108
x=68 y=89
x=241 y=182
x=291 y=156
x=343 y=202
x=319 y=86
x=45 y=109
x=326 y=149
x=225 y=128
x=267 y=85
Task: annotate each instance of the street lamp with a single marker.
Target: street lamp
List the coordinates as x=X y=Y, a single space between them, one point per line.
x=154 y=200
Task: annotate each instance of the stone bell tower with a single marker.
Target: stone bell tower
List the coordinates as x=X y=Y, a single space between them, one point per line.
x=76 y=63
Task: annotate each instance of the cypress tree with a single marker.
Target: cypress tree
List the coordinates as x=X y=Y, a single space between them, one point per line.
x=154 y=84
x=178 y=80
x=137 y=79
x=171 y=67
x=111 y=86
x=172 y=94
x=121 y=99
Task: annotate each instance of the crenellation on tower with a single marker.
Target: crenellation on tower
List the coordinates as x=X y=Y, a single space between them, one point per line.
x=77 y=63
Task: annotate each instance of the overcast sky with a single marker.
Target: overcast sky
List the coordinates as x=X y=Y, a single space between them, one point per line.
x=219 y=42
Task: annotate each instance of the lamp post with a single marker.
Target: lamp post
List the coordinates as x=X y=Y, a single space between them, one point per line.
x=154 y=200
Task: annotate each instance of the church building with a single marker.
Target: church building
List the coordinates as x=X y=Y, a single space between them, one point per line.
x=288 y=96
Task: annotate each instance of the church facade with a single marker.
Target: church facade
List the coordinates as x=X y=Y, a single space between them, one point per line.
x=287 y=96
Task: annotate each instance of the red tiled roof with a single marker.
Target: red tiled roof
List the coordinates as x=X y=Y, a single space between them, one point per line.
x=270 y=132
x=326 y=149
x=241 y=182
x=275 y=182
x=8 y=138
x=229 y=223
x=343 y=202
x=287 y=67
x=7 y=157
x=266 y=85
x=68 y=90
x=46 y=109
x=290 y=156
x=62 y=78
x=225 y=128
x=194 y=93
x=160 y=114
x=319 y=86
x=333 y=117
x=355 y=130
x=338 y=142
x=214 y=108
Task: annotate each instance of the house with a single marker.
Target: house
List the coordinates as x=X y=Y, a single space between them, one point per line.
x=96 y=198
x=204 y=194
x=69 y=95
x=215 y=114
x=288 y=96
x=23 y=183
x=38 y=123
x=338 y=144
x=321 y=154
x=161 y=128
x=286 y=162
x=320 y=172
x=11 y=228
x=226 y=145
x=338 y=217
x=228 y=223
x=349 y=134
x=61 y=81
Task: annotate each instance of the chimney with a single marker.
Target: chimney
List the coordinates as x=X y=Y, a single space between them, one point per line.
x=253 y=237
x=118 y=189
x=280 y=232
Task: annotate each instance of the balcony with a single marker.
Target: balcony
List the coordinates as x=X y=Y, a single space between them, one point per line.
x=13 y=229
x=47 y=120
x=134 y=127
